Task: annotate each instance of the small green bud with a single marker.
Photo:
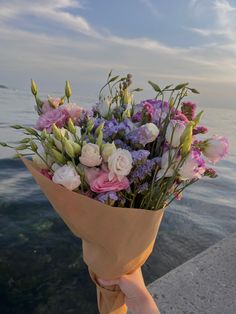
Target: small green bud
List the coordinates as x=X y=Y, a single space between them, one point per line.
x=17 y=126
x=127 y=97
x=34 y=88
x=71 y=126
x=90 y=125
x=3 y=144
x=126 y=114
x=58 y=156
x=31 y=131
x=99 y=139
x=77 y=148
x=198 y=118
x=25 y=140
x=69 y=148
x=44 y=135
x=186 y=139
x=107 y=150
x=21 y=147
x=99 y=129
x=34 y=147
x=56 y=132
x=68 y=91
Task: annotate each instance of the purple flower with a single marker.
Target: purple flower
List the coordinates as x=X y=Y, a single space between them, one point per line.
x=46 y=120
x=143 y=187
x=110 y=128
x=200 y=130
x=147 y=133
x=120 y=144
x=144 y=170
x=108 y=198
x=188 y=109
x=139 y=156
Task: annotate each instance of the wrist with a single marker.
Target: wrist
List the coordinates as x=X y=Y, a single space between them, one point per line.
x=143 y=304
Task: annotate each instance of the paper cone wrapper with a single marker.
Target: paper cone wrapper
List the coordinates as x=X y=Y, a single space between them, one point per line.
x=116 y=241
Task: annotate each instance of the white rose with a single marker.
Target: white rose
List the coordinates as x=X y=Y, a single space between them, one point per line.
x=176 y=128
x=67 y=176
x=119 y=164
x=90 y=155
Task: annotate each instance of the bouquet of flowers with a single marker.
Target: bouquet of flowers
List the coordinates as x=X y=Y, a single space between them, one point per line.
x=110 y=171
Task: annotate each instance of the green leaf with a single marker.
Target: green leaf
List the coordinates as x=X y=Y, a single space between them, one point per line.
x=17 y=126
x=193 y=90
x=113 y=79
x=180 y=86
x=155 y=87
x=137 y=90
x=3 y=144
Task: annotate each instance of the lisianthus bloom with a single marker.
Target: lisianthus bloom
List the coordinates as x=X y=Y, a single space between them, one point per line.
x=119 y=164
x=67 y=176
x=174 y=132
x=193 y=167
x=51 y=104
x=45 y=121
x=104 y=105
x=102 y=183
x=145 y=134
x=90 y=155
x=74 y=111
x=216 y=148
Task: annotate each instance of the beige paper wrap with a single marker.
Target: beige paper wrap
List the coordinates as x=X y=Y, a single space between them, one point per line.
x=116 y=241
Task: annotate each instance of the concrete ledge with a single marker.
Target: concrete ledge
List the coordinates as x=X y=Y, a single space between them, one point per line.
x=205 y=284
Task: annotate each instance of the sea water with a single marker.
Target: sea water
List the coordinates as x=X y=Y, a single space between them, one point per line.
x=41 y=263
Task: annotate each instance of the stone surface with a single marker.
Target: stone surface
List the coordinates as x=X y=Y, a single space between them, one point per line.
x=205 y=284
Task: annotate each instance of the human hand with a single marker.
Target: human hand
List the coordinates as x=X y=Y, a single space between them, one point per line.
x=137 y=297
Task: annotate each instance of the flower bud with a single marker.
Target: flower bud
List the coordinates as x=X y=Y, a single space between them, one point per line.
x=31 y=131
x=127 y=97
x=68 y=91
x=56 y=132
x=99 y=139
x=186 y=139
x=71 y=126
x=34 y=147
x=77 y=148
x=99 y=129
x=58 y=156
x=107 y=150
x=22 y=147
x=69 y=148
x=34 y=88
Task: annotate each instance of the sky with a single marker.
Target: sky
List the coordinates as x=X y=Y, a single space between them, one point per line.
x=163 y=41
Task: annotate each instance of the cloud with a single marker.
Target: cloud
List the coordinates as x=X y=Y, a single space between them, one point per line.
x=151 y=7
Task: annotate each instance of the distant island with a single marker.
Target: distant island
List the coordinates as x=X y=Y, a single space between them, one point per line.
x=3 y=86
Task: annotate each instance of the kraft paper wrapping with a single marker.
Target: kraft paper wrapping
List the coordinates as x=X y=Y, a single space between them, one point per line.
x=116 y=241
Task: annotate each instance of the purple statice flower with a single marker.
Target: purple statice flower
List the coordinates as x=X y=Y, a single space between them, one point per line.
x=120 y=144
x=143 y=135
x=110 y=128
x=188 y=109
x=125 y=127
x=143 y=187
x=137 y=117
x=144 y=170
x=108 y=198
x=178 y=115
x=200 y=130
x=98 y=121
x=139 y=156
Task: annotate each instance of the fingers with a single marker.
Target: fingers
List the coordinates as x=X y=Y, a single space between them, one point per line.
x=108 y=282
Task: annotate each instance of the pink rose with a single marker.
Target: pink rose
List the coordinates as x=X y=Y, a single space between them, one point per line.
x=216 y=148
x=102 y=183
x=46 y=120
x=74 y=111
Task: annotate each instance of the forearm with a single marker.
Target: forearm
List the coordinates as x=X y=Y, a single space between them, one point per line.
x=145 y=305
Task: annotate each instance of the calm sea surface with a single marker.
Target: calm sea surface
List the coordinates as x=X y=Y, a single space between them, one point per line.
x=41 y=265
